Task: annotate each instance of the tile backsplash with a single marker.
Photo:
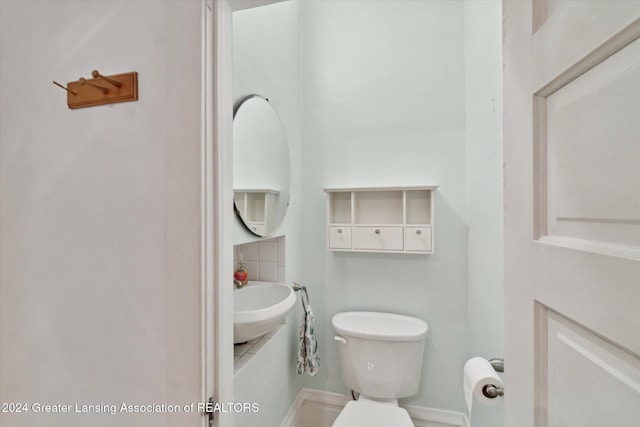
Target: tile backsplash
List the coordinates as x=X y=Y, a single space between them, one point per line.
x=265 y=259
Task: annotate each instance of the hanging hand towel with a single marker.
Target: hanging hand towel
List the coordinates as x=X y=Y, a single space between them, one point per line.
x=308 y=359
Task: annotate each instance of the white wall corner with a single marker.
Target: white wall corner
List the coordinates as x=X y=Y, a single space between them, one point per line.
x=293 y=416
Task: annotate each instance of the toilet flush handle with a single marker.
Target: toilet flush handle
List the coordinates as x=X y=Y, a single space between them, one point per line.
x=340 y=339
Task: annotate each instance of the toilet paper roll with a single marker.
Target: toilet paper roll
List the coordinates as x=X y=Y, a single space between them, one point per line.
x=478 y=373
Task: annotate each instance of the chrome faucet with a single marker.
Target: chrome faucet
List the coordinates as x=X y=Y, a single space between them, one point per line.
x=237 y=283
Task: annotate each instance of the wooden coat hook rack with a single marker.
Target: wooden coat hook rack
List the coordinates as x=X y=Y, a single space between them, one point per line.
x=101 y=89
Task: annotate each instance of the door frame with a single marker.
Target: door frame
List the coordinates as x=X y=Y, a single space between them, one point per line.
x=217 y=201
x=216 y=208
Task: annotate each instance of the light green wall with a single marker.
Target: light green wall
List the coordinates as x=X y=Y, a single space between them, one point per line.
x=483 y=38
x=383 y=86
x=266 y=54
x=388 y=93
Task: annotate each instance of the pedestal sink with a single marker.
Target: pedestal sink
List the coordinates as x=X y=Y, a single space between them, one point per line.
x=259 y=307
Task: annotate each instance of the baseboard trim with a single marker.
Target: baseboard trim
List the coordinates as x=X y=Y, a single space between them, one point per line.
x=334 y=401
x=423 y=414
x=325 y=398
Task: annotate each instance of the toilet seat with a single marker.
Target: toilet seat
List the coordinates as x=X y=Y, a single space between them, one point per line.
x=371 y=414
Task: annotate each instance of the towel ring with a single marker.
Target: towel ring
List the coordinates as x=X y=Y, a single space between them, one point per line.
x=297 y=287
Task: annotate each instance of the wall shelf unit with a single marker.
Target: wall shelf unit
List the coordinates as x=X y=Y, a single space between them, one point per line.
x=381 y=219
x=256 y=208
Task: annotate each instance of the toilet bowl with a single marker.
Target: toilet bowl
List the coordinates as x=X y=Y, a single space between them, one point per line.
x=381 y=359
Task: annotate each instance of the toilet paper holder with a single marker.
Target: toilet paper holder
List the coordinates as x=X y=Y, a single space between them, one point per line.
x=490 y=390
x=497 y=364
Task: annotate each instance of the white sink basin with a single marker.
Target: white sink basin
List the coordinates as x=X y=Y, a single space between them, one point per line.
x=259 y=307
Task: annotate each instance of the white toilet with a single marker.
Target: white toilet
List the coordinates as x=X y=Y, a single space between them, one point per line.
x=381 y=358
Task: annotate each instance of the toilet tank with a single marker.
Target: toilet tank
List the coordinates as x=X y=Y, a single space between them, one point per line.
x=380 y=353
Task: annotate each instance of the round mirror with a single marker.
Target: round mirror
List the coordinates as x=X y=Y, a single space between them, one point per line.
x=261 y=168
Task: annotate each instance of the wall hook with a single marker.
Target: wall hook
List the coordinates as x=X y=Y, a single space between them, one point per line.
x=92 y=92
x=84 y=81
x=96 y=75
x=68 y=90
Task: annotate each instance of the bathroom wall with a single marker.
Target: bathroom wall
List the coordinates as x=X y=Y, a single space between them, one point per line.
x=389 y=93
x=384 y=103
x=266 y=55
x=484 y=174
x=483 y=54
x=100 y=211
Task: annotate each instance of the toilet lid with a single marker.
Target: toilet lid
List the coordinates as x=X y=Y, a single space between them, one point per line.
x=370 y=414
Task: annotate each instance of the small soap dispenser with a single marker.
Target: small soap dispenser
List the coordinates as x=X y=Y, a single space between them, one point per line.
x=241 y=273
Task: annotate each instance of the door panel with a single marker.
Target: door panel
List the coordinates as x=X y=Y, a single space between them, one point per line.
x=579 y=35
x=572 y=213
x=592 y=156
x=583 y=371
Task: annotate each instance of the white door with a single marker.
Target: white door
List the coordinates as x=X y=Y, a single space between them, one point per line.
x=572 y=213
